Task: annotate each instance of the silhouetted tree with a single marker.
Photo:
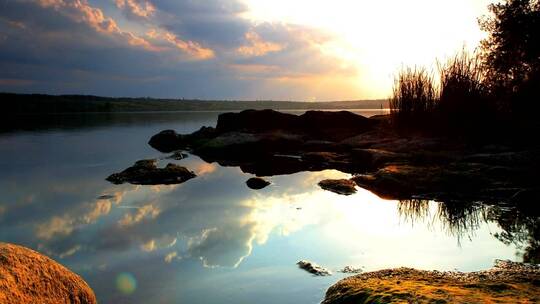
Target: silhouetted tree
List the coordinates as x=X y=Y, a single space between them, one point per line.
x=511 y=52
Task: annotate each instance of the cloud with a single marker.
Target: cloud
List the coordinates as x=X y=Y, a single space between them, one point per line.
x=170 y=256
x=153 y=244
x=102 y=207
x=80 y=11
x=222 y=247
x=71 y=251
x=199 y=49
x=55 y=226
x=190 y=47
x=137 y=8
x=257 y=47
x=144 y=212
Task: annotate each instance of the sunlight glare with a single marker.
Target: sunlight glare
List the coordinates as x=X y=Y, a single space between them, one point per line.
x=379 y=37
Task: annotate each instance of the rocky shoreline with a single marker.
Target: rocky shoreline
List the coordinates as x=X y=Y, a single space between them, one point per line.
x=392 y=165
x=506 y=282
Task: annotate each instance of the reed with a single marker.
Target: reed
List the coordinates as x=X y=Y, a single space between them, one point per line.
x=414 y=97
x=458 y=101
x=463 y=94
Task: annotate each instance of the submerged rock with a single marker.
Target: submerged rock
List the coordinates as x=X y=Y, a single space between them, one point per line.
x=339 y=186
x=106 y=197
x=506 y=282
x=257 y=183
x=146 y=172
x=178 y=155
x=27 y=277
x=313 y=268
x=350 y=269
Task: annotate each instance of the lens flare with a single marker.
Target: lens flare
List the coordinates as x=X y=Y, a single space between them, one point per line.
x=126 y=283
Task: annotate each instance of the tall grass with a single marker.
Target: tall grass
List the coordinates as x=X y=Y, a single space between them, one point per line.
x=463 y=95
x=414 y=97
x=457 y=101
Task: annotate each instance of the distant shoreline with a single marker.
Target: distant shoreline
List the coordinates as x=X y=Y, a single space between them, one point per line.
x=384 y=110
x=58 y=104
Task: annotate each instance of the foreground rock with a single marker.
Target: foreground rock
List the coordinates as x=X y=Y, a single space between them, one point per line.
x=506 y=282
x=146 y=172
x=339 y=186
x=27 y=277
x=313 y=268
x=257 y=183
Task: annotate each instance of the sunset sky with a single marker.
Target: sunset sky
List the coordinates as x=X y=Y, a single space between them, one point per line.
x=227 y=49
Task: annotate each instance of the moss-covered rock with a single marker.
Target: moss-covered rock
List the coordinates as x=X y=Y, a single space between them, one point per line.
x=506 y=282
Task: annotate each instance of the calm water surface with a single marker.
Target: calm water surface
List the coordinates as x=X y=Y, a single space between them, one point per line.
x=211 y=239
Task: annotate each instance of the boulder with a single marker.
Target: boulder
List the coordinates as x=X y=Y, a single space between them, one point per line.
x=321 y=125
x=166 y=141
x=339 y=186
x=335 y=126
x=146 y=172
x=257 y=183
x=256 y=121
x=28 y=277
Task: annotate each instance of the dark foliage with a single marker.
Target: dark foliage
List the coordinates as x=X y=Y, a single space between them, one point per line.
x=511 y=54
x=488 y=94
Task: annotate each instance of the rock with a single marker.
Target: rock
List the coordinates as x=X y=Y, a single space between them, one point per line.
x=257 y=183
x=350 y=269
x=507 y=282
x=322 y=157
x=166 y=141
x=339 y=186
x=27 y=277
x=105 y=197
x=146 y=172
x=256 y=121
x=390 y=164
x=335 y=126
x=319 y=125
x=313 y=268
x=178 y=155
x=373 y=158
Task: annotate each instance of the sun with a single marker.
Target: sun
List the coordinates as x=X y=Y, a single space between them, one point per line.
x=379 y=37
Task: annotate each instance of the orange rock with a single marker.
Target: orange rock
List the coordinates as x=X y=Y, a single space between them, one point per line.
x=30 y=277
